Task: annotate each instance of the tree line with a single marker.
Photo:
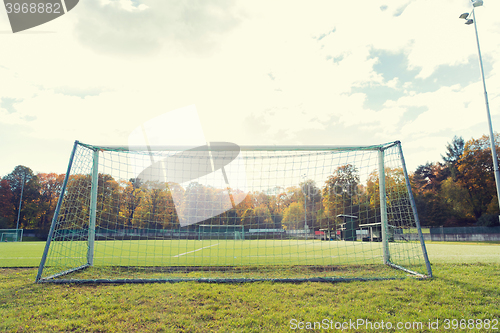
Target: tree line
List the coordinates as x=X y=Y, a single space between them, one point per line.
x=458 y=191
x=135 y=204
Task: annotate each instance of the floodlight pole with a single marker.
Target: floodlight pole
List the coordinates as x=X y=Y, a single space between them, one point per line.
x=305 y=204
x=20 y=203
x=492 y=137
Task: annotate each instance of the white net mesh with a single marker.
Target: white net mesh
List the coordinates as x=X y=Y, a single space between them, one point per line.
x=228 y=213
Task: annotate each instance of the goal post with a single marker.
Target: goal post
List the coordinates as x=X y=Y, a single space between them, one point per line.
x=223 y=212
x=383 y=205
x=93 y=207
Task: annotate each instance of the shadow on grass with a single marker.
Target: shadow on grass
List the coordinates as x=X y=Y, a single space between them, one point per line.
x=488 y=273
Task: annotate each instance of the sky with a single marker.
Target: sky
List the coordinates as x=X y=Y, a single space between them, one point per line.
x=258 y=73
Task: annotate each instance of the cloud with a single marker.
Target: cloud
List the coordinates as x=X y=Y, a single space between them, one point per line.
x=452 y=108
x=425 y=149
x=8 y=104
x=259 y=72
x=122 y=28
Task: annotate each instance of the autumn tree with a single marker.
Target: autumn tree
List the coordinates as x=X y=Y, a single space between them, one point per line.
x=432 y=207
x=79 y=205
x=23 y=181
x=156 y=209
x=131 y=196
x=263 y=218
x=312 y=201
x=272 y=201
x=396 y=194
x=275 y=209
x=292 y=194
x=50 y=189
x=341 y=190
x=293 y=217
x=248 y=219
x=459 y=191
x=108 y=202
x=428 y=177
x=6 y=205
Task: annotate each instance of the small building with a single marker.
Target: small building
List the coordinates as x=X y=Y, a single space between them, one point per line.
x=327 y=234
x=374 y=233
x=348 y=227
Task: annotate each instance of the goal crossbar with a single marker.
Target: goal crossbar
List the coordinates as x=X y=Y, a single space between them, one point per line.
x=248 y=147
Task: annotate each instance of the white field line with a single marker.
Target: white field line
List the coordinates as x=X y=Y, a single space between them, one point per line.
x=194 y=250
x=83 y=256
x=22 y=243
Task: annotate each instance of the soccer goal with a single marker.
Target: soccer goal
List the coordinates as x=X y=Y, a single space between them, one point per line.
x=11 y=235
x=209 y=231
x=228 y=213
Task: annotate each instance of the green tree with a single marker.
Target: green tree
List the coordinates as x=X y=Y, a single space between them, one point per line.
x=457 y=198
x=432 y=211
x=454 y=151
x=488 y=220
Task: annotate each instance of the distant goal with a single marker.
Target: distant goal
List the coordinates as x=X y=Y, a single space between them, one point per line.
x=225 y=213
x=11 y=235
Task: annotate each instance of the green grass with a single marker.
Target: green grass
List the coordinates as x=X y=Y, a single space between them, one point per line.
x=21 y=254
x=458 y=252
x=229 y=258
x=458 y=291
x=194 y=252
x=465 y=286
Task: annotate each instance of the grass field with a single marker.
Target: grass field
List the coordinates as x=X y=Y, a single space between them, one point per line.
x=465 y=287
x=195 y=252
x=28 y=254
x=261 y=259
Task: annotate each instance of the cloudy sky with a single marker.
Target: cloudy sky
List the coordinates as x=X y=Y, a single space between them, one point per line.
x=259 y=72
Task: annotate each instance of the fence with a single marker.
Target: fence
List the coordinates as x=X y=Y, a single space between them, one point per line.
x=465 y=234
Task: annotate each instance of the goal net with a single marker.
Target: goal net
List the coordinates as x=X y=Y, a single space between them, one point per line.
x=222 y=212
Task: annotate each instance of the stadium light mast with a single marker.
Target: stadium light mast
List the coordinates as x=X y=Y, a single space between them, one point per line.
x=20 y=203
x=305 y=203
x=471 y=18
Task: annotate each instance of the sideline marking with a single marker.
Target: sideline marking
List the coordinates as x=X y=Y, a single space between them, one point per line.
x=194 y=250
